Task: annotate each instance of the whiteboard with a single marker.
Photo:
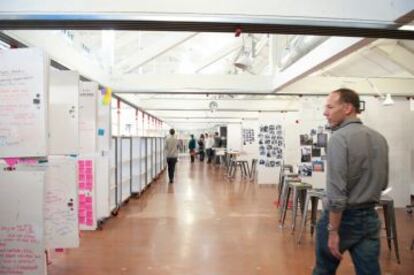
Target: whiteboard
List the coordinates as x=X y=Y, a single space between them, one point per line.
x=23 y=103
x=22 y=229
x=64 y=113
x=87 y=117
x=61 y=203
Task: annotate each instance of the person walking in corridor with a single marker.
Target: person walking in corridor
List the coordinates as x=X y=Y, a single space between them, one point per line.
x=171 y=148
x=357 y=172
x=192 y=147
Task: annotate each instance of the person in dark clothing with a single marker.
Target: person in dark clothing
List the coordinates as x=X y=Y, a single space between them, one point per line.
x=201 y=145
x=192 y=147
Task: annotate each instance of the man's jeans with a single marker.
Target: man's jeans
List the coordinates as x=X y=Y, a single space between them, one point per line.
x=171 y=168
x=359 y=234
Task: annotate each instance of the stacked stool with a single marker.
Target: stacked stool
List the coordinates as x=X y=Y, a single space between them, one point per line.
x=313 y=196
x=387 y=204
x=299 y=190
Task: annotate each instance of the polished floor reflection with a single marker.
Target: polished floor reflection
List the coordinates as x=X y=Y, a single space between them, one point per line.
x=206 y=224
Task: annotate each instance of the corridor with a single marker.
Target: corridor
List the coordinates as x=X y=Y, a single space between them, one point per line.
x=205 y=224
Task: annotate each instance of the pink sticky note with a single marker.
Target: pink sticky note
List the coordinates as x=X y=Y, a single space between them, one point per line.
x=81 y=163
x=11 y=162
x=89 y=177
x=81 y=198
x=89 y=221
x=88 y=199
x=88 y=163
x=82 y=220
x=88 y=171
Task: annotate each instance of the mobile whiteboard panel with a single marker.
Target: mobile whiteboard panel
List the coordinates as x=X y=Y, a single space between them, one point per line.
x=64 y=113
x=103 y=122
x=87 y=117
x=60 y=200
x=102 y=185
x=136 y=159
x=22 y=223
x=61 y=203
x=23 y=103
x=113 y=174
x=125 y=168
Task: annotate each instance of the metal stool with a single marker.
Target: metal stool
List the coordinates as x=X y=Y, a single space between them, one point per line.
x=313 y=195
x=299 y=194
x=281 y=186
x=387 y=204
x=244 y=168
x=253 y=170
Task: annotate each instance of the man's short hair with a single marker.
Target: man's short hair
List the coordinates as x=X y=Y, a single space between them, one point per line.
x=349 y=96
x=172 y=132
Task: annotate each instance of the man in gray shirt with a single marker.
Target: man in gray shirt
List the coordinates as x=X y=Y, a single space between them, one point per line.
x=357 y=172
x=171 y=148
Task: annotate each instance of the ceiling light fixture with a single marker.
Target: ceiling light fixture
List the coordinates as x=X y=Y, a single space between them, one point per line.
x=388 y=100
x=213 y=106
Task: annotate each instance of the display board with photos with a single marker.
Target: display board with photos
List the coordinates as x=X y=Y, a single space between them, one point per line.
x=313 y=147
x=248 y=136
x=271 y=143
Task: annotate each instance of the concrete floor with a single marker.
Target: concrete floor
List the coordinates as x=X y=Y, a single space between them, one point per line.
x=206 y=224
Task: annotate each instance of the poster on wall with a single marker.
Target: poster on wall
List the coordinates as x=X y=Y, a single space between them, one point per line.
x=305 y=170
x=313 y=151
x=271 y=143
x=248 y=136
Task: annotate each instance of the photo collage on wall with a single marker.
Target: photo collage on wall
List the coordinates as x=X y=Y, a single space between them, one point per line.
x=313 y=151
x=271 y=144
x=248 y=136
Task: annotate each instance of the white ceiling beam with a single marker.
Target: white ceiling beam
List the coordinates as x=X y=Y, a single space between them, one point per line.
x=217 y=56
x=324 y=85
x=203 y=104
x=192 y=83
x=346 y=10
x=397 y=53
x=140 y=58
x=326 y=53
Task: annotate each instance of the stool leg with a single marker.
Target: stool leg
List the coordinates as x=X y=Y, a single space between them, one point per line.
x=284 y=207
x=314 y=210
x=387 y=224
x=280 y=193
x=303 y=222
x=294 y=208
x=394 y=232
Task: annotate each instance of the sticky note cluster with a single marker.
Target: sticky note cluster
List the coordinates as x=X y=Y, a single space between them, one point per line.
x=86 y=179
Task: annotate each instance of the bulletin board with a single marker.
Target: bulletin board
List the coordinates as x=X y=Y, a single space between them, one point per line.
x=22 y=223
x=23 y=103
x=63 y=113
